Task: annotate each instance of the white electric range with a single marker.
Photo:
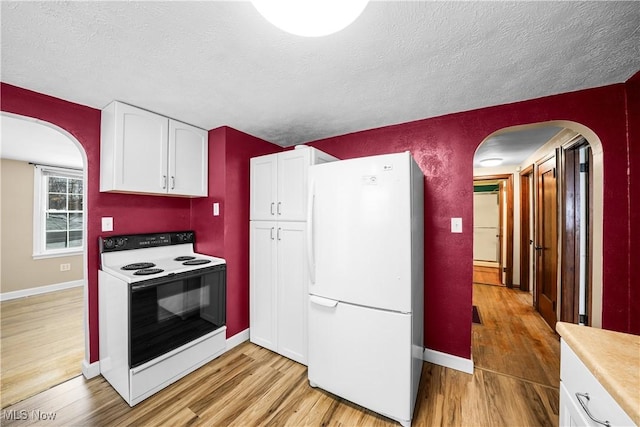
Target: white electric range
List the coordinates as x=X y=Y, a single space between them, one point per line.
x=162 y=310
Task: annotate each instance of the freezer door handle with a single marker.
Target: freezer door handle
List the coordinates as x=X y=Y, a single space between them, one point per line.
x=311 y=264
x=324 y=302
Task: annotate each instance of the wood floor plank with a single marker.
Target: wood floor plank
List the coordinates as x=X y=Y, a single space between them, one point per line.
x=41 y=343
x=513 y=338
x=487 y=275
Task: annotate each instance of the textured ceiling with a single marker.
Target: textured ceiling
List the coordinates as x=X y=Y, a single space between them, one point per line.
x=219 y=63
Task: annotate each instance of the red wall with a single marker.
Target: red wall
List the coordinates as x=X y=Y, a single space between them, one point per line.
x=227 y=235
x=444 y=148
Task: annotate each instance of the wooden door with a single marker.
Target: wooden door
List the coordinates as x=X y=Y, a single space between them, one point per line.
x=574 y=230
x=547 y=242
x=526 y=189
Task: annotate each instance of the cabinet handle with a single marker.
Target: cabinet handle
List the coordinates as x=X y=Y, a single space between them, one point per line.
x=279 y=229
x=164 y=182
x=579 y=396
x=271 y=208
x=279 y=204
x=271 y=233
x=173 y=182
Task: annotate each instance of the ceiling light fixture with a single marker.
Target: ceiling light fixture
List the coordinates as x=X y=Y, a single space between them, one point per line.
x=495 y=161
x=310 y=18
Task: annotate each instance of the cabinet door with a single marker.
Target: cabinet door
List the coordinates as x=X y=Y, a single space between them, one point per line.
x=569 y=415
x=292 y=185
x=140 y=150
x=262 y=291
x=264 y=187
x=292 y=291
x=188 y=160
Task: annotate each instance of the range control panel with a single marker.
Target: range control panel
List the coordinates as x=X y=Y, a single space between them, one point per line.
x=140 y=241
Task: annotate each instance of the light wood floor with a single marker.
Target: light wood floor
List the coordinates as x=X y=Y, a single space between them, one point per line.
x=513 y=339
x=487 y=275
x=41 y=343
x=250 y=386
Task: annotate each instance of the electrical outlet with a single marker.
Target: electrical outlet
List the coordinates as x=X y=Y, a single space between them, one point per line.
x=216 y=209
x=65 y=267
x=107 y=223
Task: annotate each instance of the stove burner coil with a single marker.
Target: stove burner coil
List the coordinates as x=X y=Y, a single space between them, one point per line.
x=148 y=271
x=138 y=266
x=184 y=258
x=197 y=262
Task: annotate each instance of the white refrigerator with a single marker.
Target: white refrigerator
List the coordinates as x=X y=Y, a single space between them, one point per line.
x=366 y=263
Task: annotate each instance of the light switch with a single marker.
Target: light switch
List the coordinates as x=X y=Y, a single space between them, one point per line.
x=107 y=223
x=456 y=225
x=216 y=209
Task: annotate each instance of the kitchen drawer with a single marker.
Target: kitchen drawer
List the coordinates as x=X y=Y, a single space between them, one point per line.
x=576 y=378
x=158 y=373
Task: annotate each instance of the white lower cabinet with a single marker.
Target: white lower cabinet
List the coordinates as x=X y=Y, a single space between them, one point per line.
x=278 y=288
x=583 y=400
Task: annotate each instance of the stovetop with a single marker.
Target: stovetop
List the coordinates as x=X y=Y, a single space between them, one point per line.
x=135 y=258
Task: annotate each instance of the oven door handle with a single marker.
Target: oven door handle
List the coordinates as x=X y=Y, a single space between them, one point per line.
x=142 y=286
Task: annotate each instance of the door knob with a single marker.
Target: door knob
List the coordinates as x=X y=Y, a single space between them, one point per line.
x=539 y=248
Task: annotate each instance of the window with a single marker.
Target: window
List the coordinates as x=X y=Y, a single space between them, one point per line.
x=58 y=211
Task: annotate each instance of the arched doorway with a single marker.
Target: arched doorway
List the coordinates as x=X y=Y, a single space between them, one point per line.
x=566 y=138
x=64 y=166
x=521 y=343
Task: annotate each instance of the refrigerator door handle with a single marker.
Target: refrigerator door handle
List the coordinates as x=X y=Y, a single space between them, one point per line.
x=311 y=264
x=324 y=302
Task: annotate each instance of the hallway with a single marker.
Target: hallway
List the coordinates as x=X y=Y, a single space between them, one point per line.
x=513 y=339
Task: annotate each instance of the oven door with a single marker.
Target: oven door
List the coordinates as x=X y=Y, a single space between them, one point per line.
x=166 y=313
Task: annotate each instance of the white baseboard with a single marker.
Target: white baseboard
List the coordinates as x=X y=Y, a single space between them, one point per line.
x=40 y=290
x=90 y=370
x=237 y=339
x=448 y=361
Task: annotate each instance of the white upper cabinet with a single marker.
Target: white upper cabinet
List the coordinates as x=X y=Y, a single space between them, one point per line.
x=188 y=160
x=292 y=185
x=279 y=184
x=264 y=187
x=144 y=152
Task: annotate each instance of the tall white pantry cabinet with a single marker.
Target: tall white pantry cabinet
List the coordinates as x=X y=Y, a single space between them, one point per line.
x=278 y=258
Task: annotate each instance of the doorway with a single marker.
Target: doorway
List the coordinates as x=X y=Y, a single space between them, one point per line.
x=493 y=230
x=44 y=273
x=565 y=281
x=578 y=228
x=526 y=228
